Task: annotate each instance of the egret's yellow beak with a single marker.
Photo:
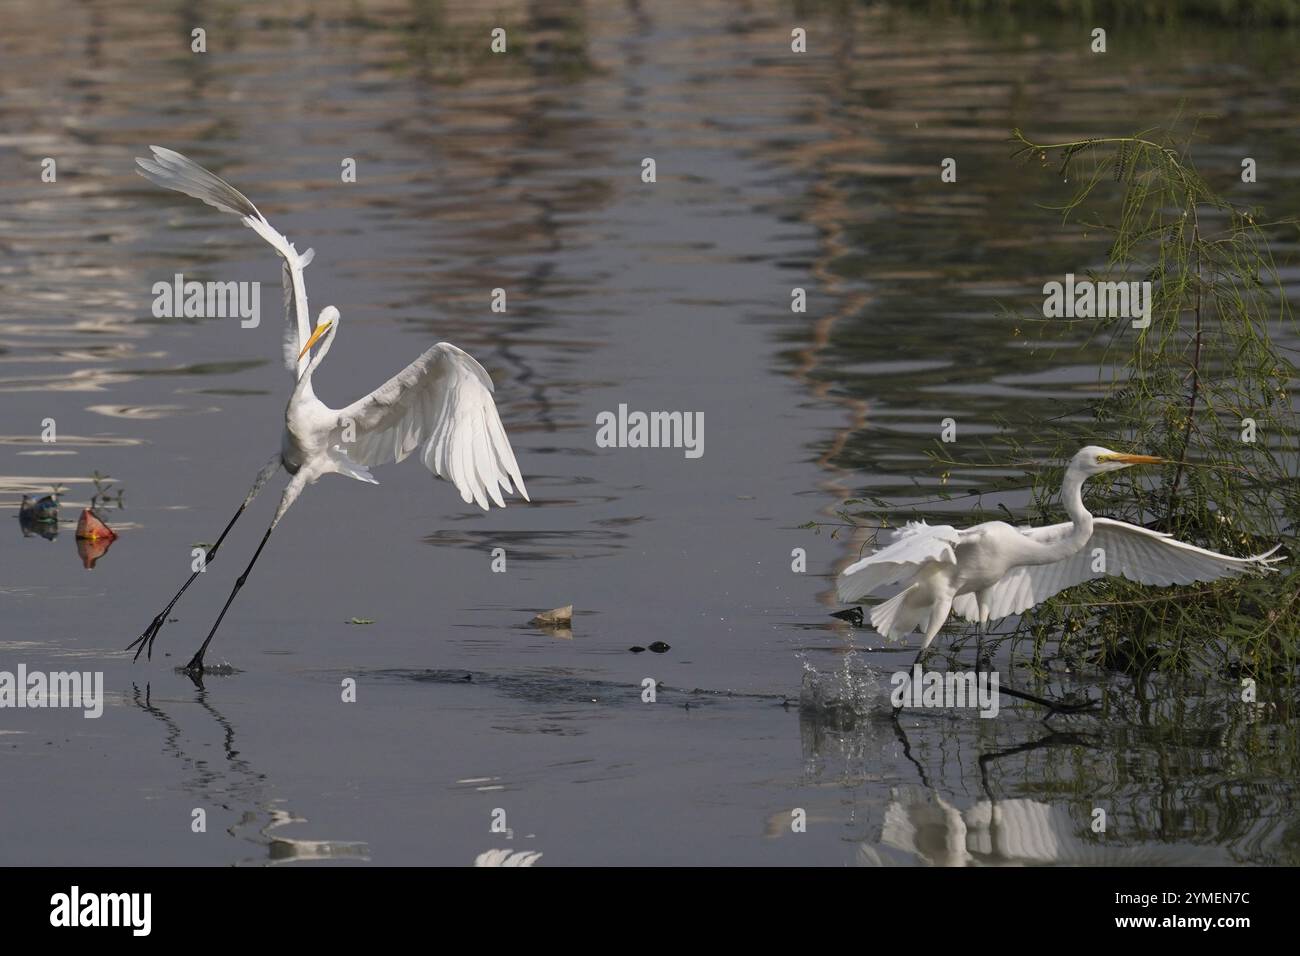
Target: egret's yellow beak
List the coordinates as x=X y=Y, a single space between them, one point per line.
x=1139 y=460
x=320 y=330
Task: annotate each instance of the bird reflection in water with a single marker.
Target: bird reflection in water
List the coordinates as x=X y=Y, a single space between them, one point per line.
x=927 y=829
x=508 y=858
x=217 y=786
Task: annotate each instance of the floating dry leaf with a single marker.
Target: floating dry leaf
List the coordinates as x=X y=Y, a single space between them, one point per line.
x=559 y=617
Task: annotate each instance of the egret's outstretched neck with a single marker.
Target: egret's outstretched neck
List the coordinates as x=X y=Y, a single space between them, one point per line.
x=1072 y=499
x=1072 y=543
x=303 y=389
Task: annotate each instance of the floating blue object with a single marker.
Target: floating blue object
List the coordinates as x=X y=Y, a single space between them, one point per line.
x=39 y=517
x=44 y=511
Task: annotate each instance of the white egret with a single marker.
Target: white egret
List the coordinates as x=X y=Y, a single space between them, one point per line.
x=441 y=402
x=993 y=570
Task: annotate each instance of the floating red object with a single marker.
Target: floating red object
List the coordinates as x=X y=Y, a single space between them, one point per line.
x=90 y=528
x=93 y=538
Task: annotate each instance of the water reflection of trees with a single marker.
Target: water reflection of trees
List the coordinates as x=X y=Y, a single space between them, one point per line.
x=1182 y=779
x=526 y=176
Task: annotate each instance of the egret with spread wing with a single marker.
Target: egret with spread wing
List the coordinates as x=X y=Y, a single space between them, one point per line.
x=440 y=404
x=993 y=570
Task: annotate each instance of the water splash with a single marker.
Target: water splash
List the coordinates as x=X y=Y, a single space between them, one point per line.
x=840 y=700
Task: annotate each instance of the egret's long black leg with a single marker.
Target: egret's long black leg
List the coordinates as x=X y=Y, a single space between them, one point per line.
x=291 y=492
x=145 y=641
x=934 y=622
x=1053 y=706
x=195 y=666
x=911 y=671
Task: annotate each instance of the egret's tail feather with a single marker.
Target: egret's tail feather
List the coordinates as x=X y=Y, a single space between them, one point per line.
x=911 y=547
x=344 y=465
x=901 y=614
x=1266 y=560
x=171 y=170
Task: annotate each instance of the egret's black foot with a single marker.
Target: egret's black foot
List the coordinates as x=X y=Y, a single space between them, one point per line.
x=1054 y=707
x=194 y=671
x=1064 y=708
x=145 y=641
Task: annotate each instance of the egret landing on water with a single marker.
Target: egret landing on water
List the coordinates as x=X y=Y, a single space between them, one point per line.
x=441 y=403
x=993 y=570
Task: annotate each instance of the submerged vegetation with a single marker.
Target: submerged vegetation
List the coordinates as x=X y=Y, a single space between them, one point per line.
x=1203 y=385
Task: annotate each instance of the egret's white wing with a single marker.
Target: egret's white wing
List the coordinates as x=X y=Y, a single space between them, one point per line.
x=443 y=401
x=911 y=546
x=297 y=317
x=1139 y=554
x=171 y=170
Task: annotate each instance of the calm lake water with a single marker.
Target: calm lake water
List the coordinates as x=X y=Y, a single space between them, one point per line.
x=522 y=172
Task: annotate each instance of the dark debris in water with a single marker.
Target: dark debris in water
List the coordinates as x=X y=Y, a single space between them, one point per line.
x=569 y=689
x=853 y=615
